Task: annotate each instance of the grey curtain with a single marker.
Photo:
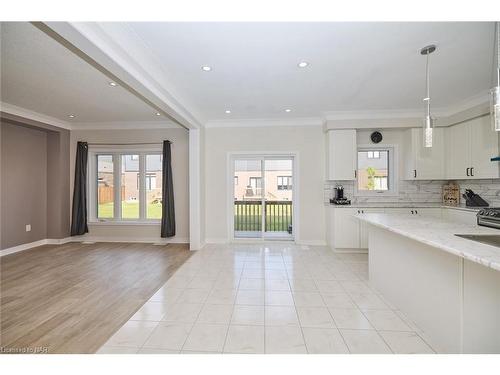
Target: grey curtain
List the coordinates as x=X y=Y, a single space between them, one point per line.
x=79 y=213
x=168 y=210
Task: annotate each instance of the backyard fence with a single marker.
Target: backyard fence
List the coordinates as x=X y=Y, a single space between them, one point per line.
x=248 y=216
x=105 y=194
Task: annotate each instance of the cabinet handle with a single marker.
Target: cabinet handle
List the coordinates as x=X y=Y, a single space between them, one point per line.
x=355 y=174
x=412 y=212
x=416 y=212
x=415 y=173
x=472 y=171
x=467 y=171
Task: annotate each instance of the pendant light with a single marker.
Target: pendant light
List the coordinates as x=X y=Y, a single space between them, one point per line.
x=428 y=120
x=495 y=91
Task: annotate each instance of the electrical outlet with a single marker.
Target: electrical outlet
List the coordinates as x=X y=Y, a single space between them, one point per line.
x=28 y=227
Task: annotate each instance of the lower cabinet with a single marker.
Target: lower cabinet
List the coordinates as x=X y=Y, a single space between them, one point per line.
x=347 y=232
x=363 y=227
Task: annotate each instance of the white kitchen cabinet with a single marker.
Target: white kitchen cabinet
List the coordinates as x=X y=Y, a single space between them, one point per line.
x=424 y=163
x=469 y=148
x=349 y=232
x=484 y=146
x=342 y=154
x=346 y=228
x=363 y=226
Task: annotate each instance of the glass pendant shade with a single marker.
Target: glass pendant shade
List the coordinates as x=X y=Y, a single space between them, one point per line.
x=428 y=126
x=495 y=108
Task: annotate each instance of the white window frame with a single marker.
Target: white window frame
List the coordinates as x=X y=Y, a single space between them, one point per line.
x=393 y=175
x=117 y=152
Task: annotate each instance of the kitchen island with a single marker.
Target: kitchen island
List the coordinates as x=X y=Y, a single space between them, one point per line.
x=448 y=285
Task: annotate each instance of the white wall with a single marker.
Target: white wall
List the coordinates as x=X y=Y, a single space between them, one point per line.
x=307 y=141
x=180 y=170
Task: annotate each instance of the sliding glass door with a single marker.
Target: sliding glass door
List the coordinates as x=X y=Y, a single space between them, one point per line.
x=263 y=197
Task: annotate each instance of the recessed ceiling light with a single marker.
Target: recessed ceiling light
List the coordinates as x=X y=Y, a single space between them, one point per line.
x=71 y=116
x=113 y=84
x=302 y=64
x=288 y=110
x=158 y=114
x=206 y=68
x=227 y=111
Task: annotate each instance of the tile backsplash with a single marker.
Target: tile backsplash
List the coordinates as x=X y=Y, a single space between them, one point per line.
x=421 y=191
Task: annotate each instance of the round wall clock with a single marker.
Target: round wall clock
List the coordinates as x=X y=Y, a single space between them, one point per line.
x=376 y=137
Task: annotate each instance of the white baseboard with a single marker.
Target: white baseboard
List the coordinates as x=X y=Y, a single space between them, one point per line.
x=155 y=240
x=30 y=245
x=216 y=241
x=61 y=241
x=249 y=240
x=349 y=251
x=311 y=242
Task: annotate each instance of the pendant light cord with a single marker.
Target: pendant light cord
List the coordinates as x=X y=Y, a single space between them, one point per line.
x=427 y=85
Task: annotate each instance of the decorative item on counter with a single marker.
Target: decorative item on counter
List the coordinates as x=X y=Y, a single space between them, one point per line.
x=451 y=194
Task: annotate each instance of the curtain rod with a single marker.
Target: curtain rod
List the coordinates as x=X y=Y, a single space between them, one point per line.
x=124 y=144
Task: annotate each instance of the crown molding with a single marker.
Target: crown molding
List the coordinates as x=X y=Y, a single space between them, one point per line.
x=259 y=123
x=34 y=116
x=124 y=125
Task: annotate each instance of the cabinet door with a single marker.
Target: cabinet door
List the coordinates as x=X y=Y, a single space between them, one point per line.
x=457 y=151
x=363 y=227
x=484 y=146
x=342 y=154
x=346 y=228
x=429 y=161
x=409 y=155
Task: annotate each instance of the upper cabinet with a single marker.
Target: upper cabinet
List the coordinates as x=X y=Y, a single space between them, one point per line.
x=342 y=154
x=469 y=148
x=424 y=163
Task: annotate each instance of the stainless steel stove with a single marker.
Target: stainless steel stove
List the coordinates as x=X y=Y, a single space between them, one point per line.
x=489 y=217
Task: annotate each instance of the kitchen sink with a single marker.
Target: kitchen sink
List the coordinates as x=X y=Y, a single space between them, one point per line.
x=488 y=239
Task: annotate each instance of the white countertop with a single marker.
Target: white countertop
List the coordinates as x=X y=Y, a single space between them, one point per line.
x=401 y=205
x=440 y=233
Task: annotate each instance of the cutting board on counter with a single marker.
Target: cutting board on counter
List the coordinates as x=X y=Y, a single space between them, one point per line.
x=451 y=194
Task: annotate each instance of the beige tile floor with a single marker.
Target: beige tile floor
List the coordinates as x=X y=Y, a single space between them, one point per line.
x=268 y=298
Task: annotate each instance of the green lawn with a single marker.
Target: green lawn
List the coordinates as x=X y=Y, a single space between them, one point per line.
x=130 y=210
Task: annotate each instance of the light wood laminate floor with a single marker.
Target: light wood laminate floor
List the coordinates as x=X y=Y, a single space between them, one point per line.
x=72 y=298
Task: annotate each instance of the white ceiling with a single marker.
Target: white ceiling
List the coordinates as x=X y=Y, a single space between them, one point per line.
x=353 y=66
x=39 y=74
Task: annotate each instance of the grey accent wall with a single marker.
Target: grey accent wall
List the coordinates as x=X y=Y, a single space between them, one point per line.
x=34 y=183
x=24 y=184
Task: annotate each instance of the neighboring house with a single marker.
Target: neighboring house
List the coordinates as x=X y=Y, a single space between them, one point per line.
x=278 y=181
x=130 y=178
x=372 y=170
